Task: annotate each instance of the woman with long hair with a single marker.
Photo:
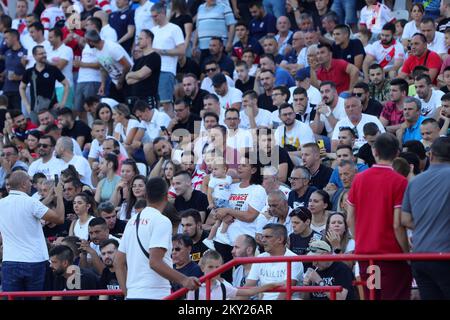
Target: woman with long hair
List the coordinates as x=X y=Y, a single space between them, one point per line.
x=84 y=208
x=413 y=26
x=128 y=171
x=136 y=192
x=181 y=17
x=30 y=152
x=107 y=169
x=337 y=233
x=104 y=113
x=129 y=131
x=319 y=203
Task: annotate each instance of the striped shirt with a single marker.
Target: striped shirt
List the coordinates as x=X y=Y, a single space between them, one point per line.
x=212 y=21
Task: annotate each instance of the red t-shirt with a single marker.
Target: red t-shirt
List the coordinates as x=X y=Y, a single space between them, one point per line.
x=374 y=194
x=337 y=73
x=392 y=114
x=433 y=62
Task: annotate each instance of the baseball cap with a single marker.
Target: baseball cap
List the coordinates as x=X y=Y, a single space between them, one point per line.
x=92 y=35
x=218 y=80
x=302 y=74
x=317 y=247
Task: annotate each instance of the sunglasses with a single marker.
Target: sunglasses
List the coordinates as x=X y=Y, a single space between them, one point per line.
x=210 y=70
x=43 y=145
x=358 y=94
x=176 y=249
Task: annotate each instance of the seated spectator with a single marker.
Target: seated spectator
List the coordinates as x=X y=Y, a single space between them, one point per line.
x=282 y=77
x=84 y=208
x=107 y=211
x=280 y=96
x=284 y=35
x=237 y=138
x=279 y=209
x=429 y=97
x=217 y=53
x=413 y=26
x=192 y=226
x=320 y=174
x=61 y=263
x=301 y=190
x=429 y=130
x=435 y=39
x=371 y=131
x=304 y=111
x=9 y=161
x=251 y=116
x=193 y=95
x=302 y=80
x=338 y=234
x=105 y=114
x=108 y=279
x=229 y=97
x=329 y=274
x=262 y=23
x=369 y=106
x=244 y=246
x=302 y=233
x=379 y=86
x=343 y=152
x=107 y=169
x=211 y=68
x=350 y=50
x=265 y=80
x=410 y=128
x=136 y=194
x=121 y=192
x=244 y=82
x=319 y=203
x=392 y=115
x=181 y=258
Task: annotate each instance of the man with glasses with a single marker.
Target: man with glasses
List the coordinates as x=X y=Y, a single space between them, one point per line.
x=370 y=106
x=181 y=258
x=184 y=118
x=301 y=190
x=280 y=95
x=237 y=138
x=47 y=163
x=354 y=119
x=229 y=97
x=9 y=162
x=211 y=69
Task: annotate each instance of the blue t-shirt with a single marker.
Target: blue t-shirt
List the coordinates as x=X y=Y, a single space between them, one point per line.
x=413 y=133
x=261 y=27
x=283 y=78
x=13 y=64
x=335 y=179
x=119 y=21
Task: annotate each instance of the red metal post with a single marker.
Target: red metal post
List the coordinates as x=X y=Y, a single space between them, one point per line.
x=208 y=289
x=372 y=288
x=10 y=298
x=332 y=295
x=289 y=281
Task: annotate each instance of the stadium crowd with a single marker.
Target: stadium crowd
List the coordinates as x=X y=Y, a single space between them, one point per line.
x=143 y=144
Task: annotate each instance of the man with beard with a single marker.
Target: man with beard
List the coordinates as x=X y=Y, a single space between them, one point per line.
x=410 y=128
x=108 y=279
x=267 y=80
x=370 y=106
x=115 y=63
x=355 y=119
x=387 y=52
x=47 y=163
x=330 y=110
x=379 y=86
x=64 y=151
x=193 y=95
x=351 y=50
x=429 y=97
x=75 y=129
x=392 y=115
x=191 y=222
x=42 y=78
x=143 y=79
x=20 y=129
x=67 y=275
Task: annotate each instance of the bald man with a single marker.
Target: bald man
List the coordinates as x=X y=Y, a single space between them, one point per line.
x=24 y=246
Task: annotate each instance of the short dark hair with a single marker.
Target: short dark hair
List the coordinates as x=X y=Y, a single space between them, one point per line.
x=36 y=48
x=232 y=110
x=13 y=32
x=148 y=33
x=285 y=106
x=241 y=23
x=328 y=83
x=413 y=159
x=6 y=20
x=440 y=149
x=184 y=239
x=446 y=97
x=97 y=22
x=156 y=190
x=195 y=214
x=98 y=221
x=424 y=77
x=52 y=140
x=38 y=26
x=284 y=91
x=58 y=32
x=217 y=39
x=302 y=213
x=401 y=83
x=387 y=146
x=344 y=27
x=16 y=151
x=362 y=85
x=62 y=253
x=141 y=106
x=325 y=45
x=182 y=173
x=107 y=242
x=300 y=90
x=279 y=230
x=159 y=8
x=374 y=66
x=416 y=147
x=253 y=95
x=211 y=96
x=389 y=27
x=427 y=20
x=268 y=56
x=344 y=146
x=106 y=206
x=51 y=127
x=65 y=111
x=211 y=114
x=370 y=129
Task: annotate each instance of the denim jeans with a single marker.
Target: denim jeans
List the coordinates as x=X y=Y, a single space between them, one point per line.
x=275 y=7
x=23 y=276
x=345 y=10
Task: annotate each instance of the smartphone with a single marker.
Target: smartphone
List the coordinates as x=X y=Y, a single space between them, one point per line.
x=321 y=144
x=56 y=179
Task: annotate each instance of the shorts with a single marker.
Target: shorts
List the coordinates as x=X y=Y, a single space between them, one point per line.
x=83 y=91
x=60 y=94
x=166 y=87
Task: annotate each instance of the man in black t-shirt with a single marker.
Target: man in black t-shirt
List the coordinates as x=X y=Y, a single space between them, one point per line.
x=350 y=50
x=183 y=119
x=75 y=129
x=327 y=273
x=370 y=106
x=193 y=95
x=107 y=211
x=192 y=225
x=371 y=132
x=143 y=79
x=108 y=279
x=69 y=276
x=267 y=80
x=181 y=257
x=42 y=78
x=187 y=197
x=320 y=174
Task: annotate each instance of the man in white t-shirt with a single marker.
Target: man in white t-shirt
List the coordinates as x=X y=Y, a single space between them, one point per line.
x=107 y=32
x=143 y=263
x=292 y=133
x=274 y=239
x=51 y=15
x=61 y=56
x=211 y=69
x=251 y=116
x=153 y=120
x=63 y=150
x=169 y=44
x=302 y=80
x=435 y=39
x=114 y=61
x=47 y=163
x=237 y=138
x=24 y=246
x=36 y=30
x=143 y=17
x=356 y=120
x=229 y=97
x=429 y=97
x=330 y=110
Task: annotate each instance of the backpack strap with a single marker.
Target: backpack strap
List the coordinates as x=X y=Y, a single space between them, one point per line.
x=224 y=291
x=137 y=236
x=196 y=294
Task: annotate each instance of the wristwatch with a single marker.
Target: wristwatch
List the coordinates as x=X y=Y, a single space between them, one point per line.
x=322 y=283
x=164 y=52
x=295 y=8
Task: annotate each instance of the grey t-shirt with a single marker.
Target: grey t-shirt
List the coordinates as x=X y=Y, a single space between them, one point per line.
x=427 y=198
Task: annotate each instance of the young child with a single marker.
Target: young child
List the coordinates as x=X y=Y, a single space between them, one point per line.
x=221 y=289
x=38 y=180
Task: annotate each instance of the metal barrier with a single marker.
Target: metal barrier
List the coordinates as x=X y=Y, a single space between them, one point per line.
x=305 y=258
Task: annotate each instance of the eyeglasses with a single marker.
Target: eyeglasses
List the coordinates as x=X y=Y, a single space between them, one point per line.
x=176 y=249
x=295 y=179
x=178 y=110
x=210 y=70
x=357 y=94
x=43 y=145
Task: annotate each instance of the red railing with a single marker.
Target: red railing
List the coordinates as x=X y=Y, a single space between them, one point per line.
x=71 y=293
x=305 y=258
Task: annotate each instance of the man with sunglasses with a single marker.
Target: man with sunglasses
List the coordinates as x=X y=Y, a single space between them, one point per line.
x=354 y=119
x=370 y=106
x=47 y=163
x=211 y=69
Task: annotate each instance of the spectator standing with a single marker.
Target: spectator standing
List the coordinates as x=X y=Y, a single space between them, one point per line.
x=122 y=21
x=374 y=213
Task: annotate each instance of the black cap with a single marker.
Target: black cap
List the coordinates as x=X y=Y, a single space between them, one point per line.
x=218 y=80
x=92 y=35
